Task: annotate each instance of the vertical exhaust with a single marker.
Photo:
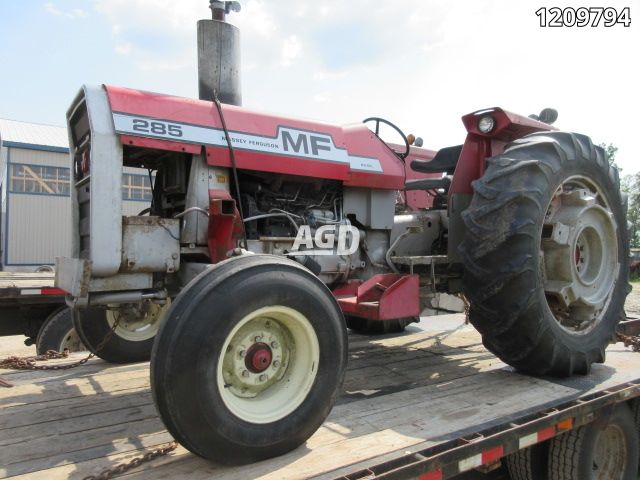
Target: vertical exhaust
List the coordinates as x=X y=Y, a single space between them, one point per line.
x=219 y=55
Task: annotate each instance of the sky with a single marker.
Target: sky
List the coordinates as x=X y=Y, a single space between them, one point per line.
x=420 y=63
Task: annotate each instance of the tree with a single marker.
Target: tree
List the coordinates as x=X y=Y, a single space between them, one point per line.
x=610 y=152
x=631 y=186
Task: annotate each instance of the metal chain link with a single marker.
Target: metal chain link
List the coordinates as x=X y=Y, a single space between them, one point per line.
x=136 y=462
x=29 y=363
x=630 y=341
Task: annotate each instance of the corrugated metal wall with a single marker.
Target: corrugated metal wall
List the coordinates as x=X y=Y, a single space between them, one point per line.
x=38 y=157
x=39 y=229
x=36 y=226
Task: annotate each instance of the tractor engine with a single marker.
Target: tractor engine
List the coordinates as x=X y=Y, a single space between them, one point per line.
x=298 y=194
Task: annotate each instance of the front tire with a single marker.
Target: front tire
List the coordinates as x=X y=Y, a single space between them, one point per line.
x=546 y=254
x=249 y=360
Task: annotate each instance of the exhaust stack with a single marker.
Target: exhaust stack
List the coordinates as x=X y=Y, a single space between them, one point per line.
x=219 y=55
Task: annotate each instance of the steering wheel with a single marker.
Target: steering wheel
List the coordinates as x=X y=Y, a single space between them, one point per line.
x=378 y=121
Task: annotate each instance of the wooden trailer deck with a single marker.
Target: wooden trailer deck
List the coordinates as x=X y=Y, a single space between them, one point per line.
x=401 y=393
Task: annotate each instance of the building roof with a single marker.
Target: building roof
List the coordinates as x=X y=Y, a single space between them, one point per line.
x=33 y=136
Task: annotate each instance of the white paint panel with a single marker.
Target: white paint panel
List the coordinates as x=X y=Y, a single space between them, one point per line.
x=30 y=291
x=177 y=131
x=528 y=440
x=469 y=463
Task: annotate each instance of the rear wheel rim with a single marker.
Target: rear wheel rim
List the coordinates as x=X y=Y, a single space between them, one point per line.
x=579 y=251
x=268 y=364
x=610 y=455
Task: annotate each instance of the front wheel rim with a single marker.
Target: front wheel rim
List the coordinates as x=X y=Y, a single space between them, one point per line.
x=138 y=325
x=579 y=249
x=268 y=364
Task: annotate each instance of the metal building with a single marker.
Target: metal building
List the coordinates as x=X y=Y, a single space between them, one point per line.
x=34 y=186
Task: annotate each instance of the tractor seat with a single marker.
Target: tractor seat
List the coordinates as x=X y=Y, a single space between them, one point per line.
x=445 y=160
x=428 y=184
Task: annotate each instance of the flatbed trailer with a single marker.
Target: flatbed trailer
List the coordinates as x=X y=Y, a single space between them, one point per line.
x=27 y=300
x=425 y=404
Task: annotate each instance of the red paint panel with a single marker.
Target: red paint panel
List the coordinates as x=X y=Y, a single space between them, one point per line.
x=225 y=225
x=382 y=297
x=433 y=475
x=264 y=162
x=508 y=126
x=52 y=291
x=546 y=434
x=416 y=199
x=492 y=455
x=470 y=165
x=479 y=146
x=357 y=139
x=401 y=299
x=157 y=144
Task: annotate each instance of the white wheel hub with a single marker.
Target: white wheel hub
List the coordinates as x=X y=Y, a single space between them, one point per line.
x=580 y=255
x=268 y=364
x=138 y=324
x=71 y=342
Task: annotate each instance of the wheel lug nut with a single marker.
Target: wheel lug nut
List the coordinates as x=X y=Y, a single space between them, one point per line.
x=258 y=339
x=242 y=353
x=276 y=364
x=274 y=345
x=245 y=373
x=263 y=378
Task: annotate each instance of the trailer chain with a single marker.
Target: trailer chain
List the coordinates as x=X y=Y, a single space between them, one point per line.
x=630 y=341
x=136 y=462
x=29 y=363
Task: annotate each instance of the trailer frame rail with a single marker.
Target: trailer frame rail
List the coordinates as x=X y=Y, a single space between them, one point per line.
x=483 y=450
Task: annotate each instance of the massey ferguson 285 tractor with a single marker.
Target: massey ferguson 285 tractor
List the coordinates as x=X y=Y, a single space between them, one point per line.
x=267 y=237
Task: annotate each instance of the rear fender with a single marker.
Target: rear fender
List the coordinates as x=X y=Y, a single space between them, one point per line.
x=477 y=148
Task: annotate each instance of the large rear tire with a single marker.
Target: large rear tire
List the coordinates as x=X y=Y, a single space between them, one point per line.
x=249 y=360
x=546 y=254
x=133 y=337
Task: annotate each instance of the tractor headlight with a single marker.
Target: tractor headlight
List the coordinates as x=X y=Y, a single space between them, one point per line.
x=486 y=124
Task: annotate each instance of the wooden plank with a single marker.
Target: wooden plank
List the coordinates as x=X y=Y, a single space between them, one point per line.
x=53 y=411
x=95 y=366
x=400 y=393
x=71 y=387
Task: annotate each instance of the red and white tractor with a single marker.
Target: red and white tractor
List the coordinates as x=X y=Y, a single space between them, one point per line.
x=268 y=236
